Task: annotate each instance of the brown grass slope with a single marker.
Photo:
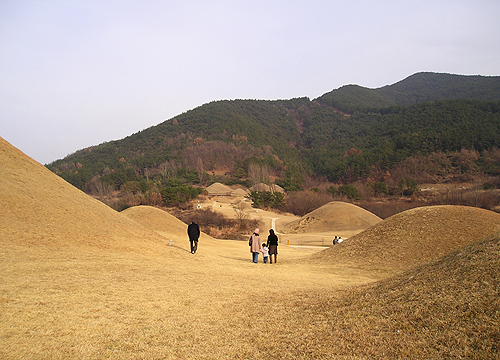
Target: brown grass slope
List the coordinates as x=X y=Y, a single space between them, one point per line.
x=448 y=309
x=68 y=291
x=415 y=237
x=334 y=216
x=41 y=209
x=162 y=222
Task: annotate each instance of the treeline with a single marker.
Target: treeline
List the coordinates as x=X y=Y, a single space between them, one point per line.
x=290 y=141
x=314 y=140
x=417 y=88
x=345 y=149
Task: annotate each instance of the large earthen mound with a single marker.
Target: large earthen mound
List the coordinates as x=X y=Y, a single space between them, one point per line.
x=448 y=308
x=161 y=222
x=415 y=237
x=334 y=216
x=41 y=209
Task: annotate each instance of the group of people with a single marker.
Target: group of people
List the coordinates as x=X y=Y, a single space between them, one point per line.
x=268 y=249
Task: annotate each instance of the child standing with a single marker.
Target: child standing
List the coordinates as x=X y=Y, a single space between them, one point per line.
x=265 y=252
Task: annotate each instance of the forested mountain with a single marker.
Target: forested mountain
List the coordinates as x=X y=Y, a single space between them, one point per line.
x=342 y=136
x=420 y=87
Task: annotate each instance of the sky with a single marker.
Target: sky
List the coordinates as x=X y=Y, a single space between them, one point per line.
x=74 y=74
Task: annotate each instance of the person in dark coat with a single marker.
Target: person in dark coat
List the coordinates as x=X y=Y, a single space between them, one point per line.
x=272 y=244
x=193 y=233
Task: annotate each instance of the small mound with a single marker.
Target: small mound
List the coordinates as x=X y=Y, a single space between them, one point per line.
x=239 y=193
x=218 y=189
x=159 y=221
x=415 y=237
x=41 y=209
x=334 y=216
x=260 y=187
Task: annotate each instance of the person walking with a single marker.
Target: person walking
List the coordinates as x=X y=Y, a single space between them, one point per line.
x=272 y=244
x=254 y=244
x=193 y=233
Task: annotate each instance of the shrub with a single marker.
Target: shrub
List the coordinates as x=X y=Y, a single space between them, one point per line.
x=349 y=191
x=266 y=199
x=216 y=224
x=302 y=202
x=332 y=190
x=488 y=186
x=407 y=187
x=380 y=188
x=179 y=194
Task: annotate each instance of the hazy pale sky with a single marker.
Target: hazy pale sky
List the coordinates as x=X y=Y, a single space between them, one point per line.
x=77 y=73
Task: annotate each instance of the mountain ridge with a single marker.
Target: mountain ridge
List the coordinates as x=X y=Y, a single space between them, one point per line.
x=439 y=86
x=341 y=136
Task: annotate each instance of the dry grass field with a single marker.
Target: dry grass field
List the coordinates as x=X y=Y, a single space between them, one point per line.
x=81 y=281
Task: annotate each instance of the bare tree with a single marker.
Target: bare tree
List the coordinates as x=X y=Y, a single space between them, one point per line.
x=99 y=189
x=241 y=214
x=168 y=169
x=258 y=173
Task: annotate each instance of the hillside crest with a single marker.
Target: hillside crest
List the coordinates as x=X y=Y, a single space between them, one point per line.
x=342 y=136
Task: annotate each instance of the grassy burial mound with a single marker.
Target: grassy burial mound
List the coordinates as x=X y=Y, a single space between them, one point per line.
x=41 y=209
x=447 y=309
x=415 y=237
x=166 y=225
x=159 y=221
x=218 y=189
x=336 y=216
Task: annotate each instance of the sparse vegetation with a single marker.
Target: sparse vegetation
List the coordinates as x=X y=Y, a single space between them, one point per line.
x=267 y=199
x=217 y=225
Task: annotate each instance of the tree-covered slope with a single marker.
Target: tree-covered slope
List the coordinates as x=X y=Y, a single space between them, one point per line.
x=424 y=87
x=417 y=88
x=221 y=135
x=346 y=147
x=340 y=136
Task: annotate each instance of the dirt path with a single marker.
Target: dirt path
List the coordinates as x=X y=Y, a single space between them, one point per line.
x=278 y=222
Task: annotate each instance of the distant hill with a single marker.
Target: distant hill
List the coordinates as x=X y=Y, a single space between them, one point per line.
x=417 y=88
x=341 y=136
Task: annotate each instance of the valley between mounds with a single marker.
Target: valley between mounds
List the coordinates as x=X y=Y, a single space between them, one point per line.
x=80 y=280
